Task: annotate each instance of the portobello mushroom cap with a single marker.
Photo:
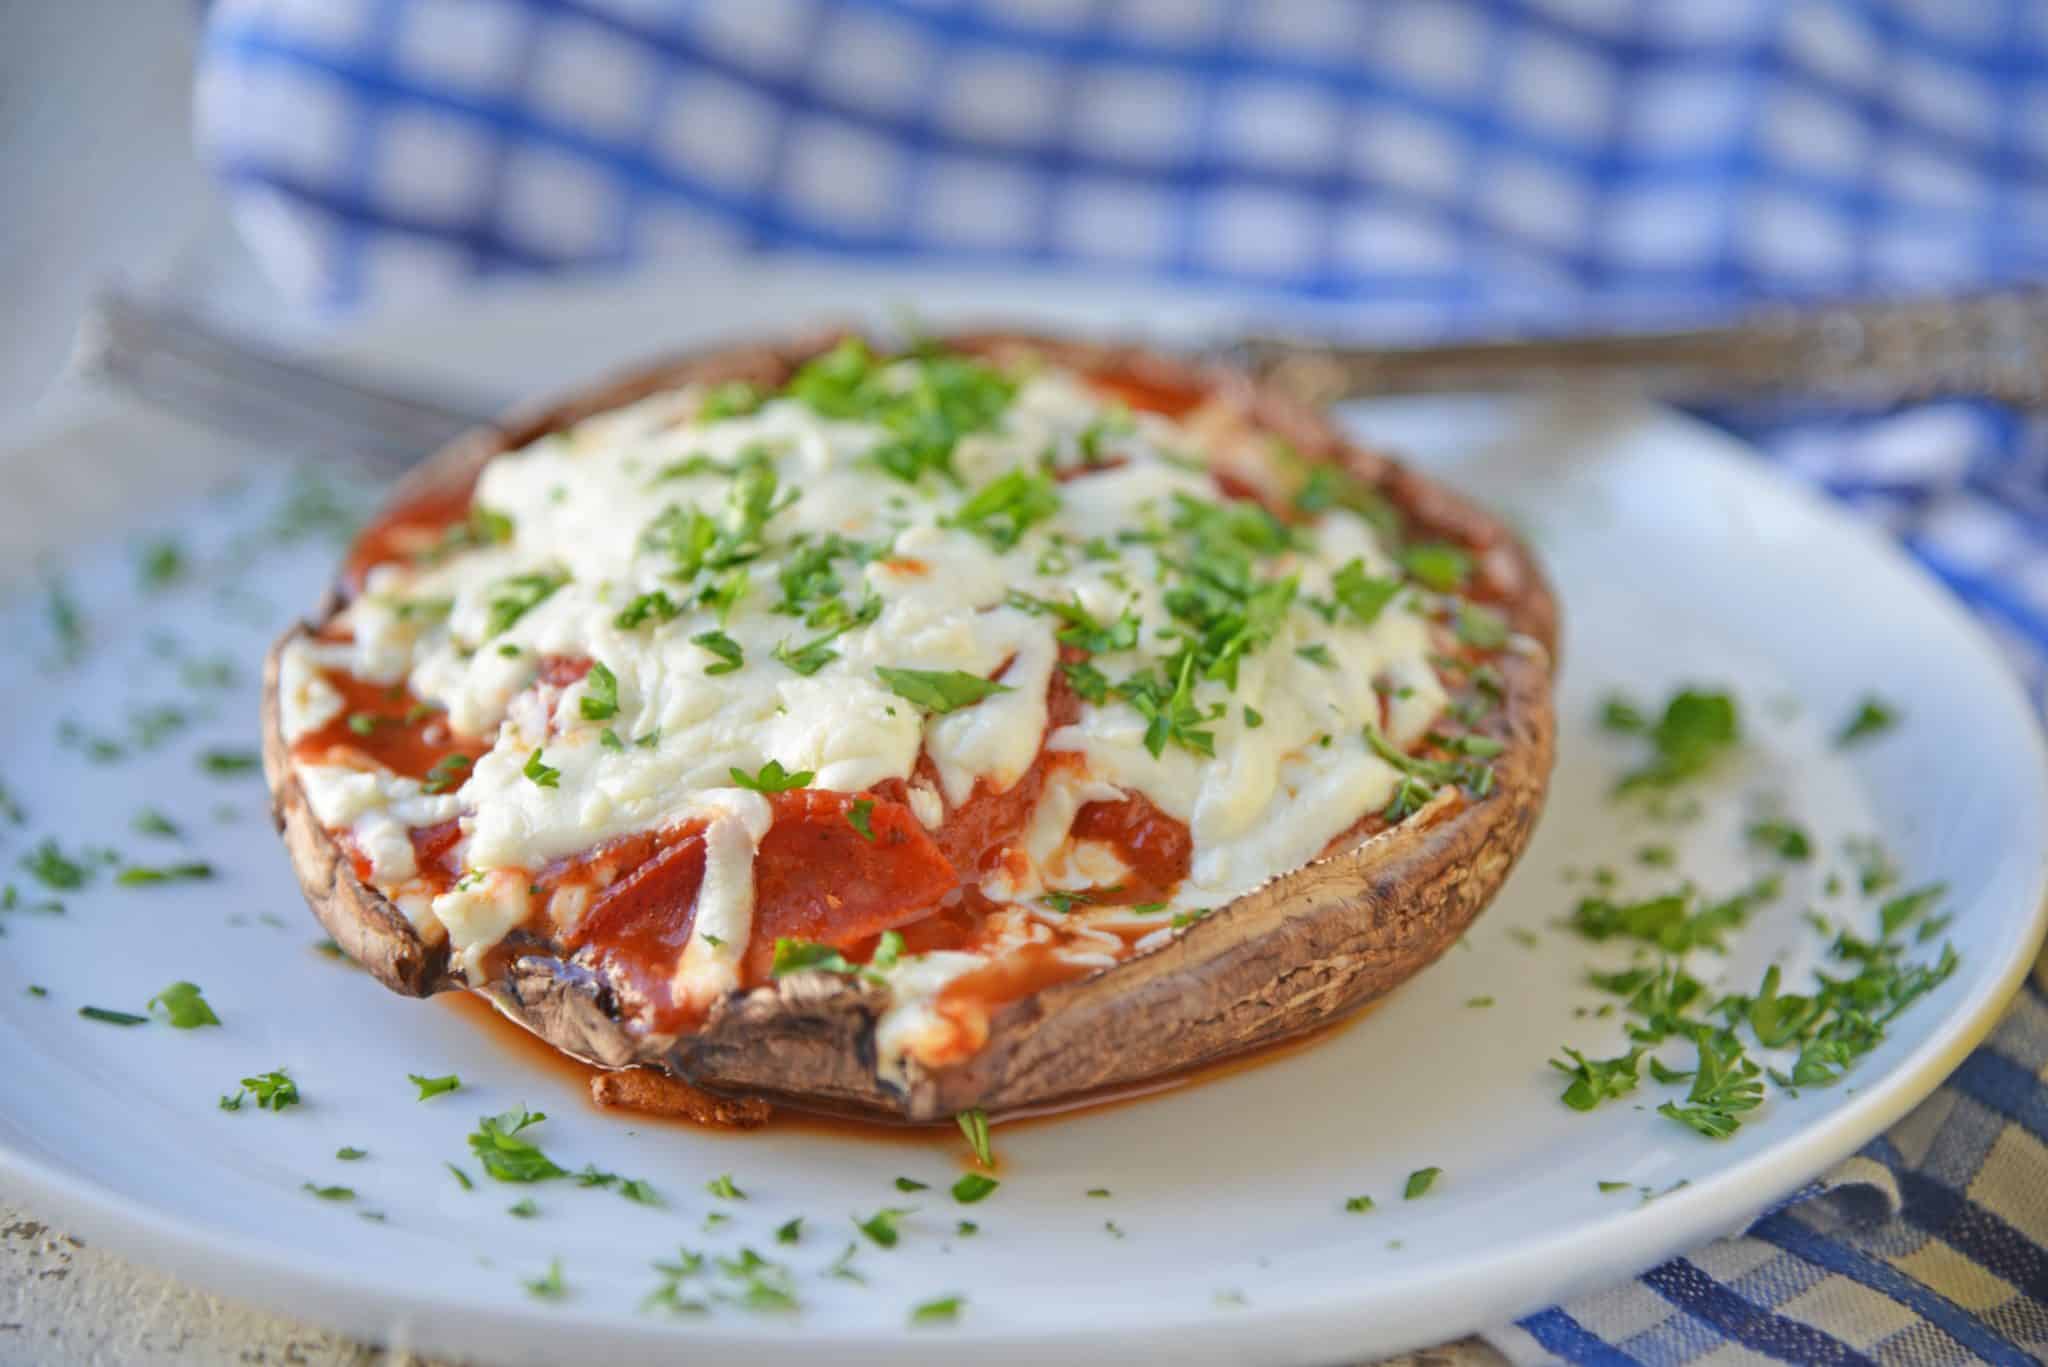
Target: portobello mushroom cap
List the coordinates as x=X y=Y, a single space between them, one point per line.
x=1303 y=950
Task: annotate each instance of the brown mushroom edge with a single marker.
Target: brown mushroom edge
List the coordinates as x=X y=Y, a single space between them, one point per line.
x=1304 y=950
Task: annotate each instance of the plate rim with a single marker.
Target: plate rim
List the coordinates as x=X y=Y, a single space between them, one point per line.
x=306 y=1283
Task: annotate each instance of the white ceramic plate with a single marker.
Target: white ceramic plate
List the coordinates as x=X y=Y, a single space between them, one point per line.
x=1224 y=1236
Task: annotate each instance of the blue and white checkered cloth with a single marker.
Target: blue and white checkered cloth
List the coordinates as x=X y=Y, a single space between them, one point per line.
x=1440 y=165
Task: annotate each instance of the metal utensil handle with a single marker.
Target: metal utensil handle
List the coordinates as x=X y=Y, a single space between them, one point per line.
x=1992 y=345
x=248 y=389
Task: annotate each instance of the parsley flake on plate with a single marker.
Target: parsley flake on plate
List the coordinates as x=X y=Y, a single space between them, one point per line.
x=138 y=876
x=272 y=1091
x=943 y=1310
x=1419 y=1182
x=506 y=1154
x=108 y=1017
x=1872 y=718
x=183 y=1006
x=433 y=1086
x=881 y=1226
x=973 y=1187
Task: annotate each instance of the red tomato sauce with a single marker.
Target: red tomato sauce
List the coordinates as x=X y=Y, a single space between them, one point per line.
x=1154 y=846
x=403 y=531
x=383 y=725
x=1150 y=395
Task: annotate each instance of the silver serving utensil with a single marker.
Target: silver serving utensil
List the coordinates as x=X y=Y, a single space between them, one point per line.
x=1990 y=345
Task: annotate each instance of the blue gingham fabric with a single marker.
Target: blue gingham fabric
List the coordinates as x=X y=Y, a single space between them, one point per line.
x=1440 y=166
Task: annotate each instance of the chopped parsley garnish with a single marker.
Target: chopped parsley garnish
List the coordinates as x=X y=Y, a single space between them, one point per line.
x=600 y=701
x=67 y=623
x=808 y=658
x=1079 y=627
x=508 y=1157
x=1676 y=921
x=1873 y=717
x=350 y=1153
x=974 y=1124
x=107 y=1017
x=272 y=1091
x=801 y=956
x=1332 y=486
x=330 y=1193
x=183 y=1006
x=1900 y=912
x=1317 y=653
x=772 y=778
x=730 y=657
x=512 y=597
x=1481 y=628
x=646 y=607
x=1724 y=1086
x=790 y=1232
x=881 y=1226
x=1696 y=729
x=1419 y=1182
x=524 y=1209
x=939 y=690
x=860 y=815
x=1782 y=838
x=462 y=1178
x=1422 y=777
x=433 y=1086
x=541 y=774
x=640 y=1192
x=483 y=527
x=912 y=1184
x=448 y=772
x=1008 y=506
x=1363 y=595
x=1358 y=1205
x=135 y=875
x=160 y=564
x=550 y=1287
x=729 y=399
x=230 y=763
x=943 y=1310
x=48 y=865
x=721 y=1186
x=1596 y=1080
x=1438 y=565
x=973 y=1187
x=924 y=403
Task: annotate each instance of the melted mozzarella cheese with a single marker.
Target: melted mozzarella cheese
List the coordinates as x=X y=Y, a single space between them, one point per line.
x=376 y=811
x=1290 y=769
x=710 y=964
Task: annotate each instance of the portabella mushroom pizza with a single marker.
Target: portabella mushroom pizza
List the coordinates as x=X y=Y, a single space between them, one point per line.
x=980 y=726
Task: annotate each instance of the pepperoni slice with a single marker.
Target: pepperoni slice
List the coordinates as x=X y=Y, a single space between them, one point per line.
x=818 y=878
